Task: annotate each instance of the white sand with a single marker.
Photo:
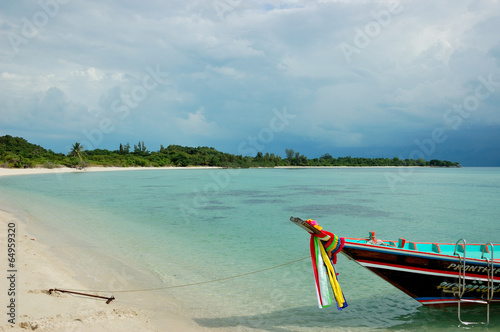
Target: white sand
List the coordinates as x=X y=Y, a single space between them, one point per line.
x=38 y=271
x=27 y=171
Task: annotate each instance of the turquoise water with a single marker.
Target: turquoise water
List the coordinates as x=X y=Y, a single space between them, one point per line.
x=131 y=230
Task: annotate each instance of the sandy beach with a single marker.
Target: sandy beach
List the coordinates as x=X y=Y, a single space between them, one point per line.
x=61 y=170
x=36 y=271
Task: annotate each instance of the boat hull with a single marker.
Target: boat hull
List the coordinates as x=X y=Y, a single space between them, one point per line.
x=429 y=278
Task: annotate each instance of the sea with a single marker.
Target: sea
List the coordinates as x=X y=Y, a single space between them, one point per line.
x=217 y=246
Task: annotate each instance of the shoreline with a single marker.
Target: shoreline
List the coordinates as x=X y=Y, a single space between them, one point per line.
x=37 y=268
x=37 y=271
x=62 y=170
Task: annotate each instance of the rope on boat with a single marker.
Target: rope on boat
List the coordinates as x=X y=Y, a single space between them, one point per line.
x=184 y=285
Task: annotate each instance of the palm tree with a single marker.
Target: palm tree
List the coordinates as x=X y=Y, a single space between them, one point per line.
x=76 y=150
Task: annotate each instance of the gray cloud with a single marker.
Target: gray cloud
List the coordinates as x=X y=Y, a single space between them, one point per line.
x=230 y=63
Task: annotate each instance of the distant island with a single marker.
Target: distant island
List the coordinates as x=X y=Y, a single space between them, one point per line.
x=16 y=152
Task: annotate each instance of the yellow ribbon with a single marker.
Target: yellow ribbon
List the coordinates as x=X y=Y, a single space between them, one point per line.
x=339 y=296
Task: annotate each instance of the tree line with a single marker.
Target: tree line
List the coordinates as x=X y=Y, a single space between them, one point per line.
x=16 y=152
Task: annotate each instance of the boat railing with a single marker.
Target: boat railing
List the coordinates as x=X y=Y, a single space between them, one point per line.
x=461 y=253
x=461 y=268
x=490 y=275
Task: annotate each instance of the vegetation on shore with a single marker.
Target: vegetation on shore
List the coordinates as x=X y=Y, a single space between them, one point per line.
x=16 y=152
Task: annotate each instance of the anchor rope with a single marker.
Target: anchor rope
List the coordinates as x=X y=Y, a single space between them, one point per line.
x=190 y=284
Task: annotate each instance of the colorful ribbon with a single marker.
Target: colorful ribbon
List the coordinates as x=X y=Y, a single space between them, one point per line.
x=323 y=261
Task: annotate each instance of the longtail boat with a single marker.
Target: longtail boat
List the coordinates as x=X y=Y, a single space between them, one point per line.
x=434 y=274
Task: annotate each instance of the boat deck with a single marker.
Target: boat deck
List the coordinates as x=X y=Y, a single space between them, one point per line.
x=472 y=250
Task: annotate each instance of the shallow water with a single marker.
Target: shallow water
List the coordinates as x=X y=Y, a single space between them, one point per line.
x=163 y=228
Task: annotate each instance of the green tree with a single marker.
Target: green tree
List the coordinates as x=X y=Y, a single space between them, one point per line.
x=326 y=157
x=76 y=151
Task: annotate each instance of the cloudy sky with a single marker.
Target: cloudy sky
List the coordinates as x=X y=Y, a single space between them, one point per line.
x=409 y=79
